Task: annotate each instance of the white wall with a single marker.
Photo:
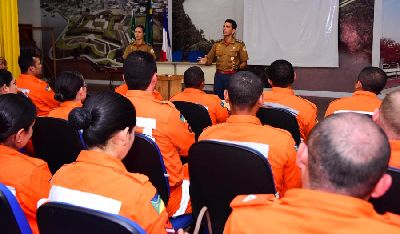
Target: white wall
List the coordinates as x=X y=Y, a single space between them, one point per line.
x=29 y=13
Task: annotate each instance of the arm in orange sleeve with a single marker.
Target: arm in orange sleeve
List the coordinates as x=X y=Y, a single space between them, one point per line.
x=291 y=172
x=150 y=210
x=179 y=132
x=222 y=113
x=307 y=123
x=35 y=188
x=122 y=89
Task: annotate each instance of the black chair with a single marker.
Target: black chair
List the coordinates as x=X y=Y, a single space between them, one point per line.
x=197 y=116
x=13 y=219
x=390 y=201
x=220 y=171
x=62 y=218
x=280 y=118
x=145 y=157
x=56 y=142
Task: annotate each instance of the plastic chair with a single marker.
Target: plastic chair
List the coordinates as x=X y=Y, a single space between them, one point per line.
x=63 y=218
x=56 y=142
x=390 y=201
x=13 y=219
x=219 y=171
x=280 y=118
x=196 y=115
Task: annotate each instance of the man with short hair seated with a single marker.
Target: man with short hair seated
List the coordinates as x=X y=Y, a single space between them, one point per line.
x=343 y=164
x=370 y=83
x=33 y=87
x=281 y=76
x=161 y=121
x=244 y=95
x=194 y=84
x=388 y=118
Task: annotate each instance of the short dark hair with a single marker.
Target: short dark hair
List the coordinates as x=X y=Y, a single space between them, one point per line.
x=16 y=112
x=139 y=67
x=25 y=61
x=102 y=115
x=193 y=77
x=244 y=89
x=347 y=153
x=5 y=78
x=67 y=85
x=140 y=26
x=281 y=73
x=231 y=21
x=372 y=79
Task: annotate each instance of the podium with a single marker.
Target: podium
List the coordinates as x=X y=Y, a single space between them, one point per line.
x=169 y=85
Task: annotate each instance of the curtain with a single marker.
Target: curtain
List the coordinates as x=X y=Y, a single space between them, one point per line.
x=9 y=37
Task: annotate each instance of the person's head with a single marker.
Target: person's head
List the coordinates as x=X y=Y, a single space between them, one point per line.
x=7 y=82
x=387 y=116
x=17 y=116
x=139 y=32
x=3 y=63
x=140 y=71
x=193 y=77
x=372 y=79
x=281 y=74
x=70 y=86
x=30 y=65
x=346 y=154
x=229 y=27
x=244 y=92
x=108 y=121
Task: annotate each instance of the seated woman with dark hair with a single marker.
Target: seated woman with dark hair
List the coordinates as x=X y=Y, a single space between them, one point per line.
x=7 y=82
x=98 y=179
x=28 y=178
x=70 y=89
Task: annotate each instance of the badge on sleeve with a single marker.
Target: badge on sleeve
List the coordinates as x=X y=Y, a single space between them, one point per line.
x=158 y=203
x=48 y=88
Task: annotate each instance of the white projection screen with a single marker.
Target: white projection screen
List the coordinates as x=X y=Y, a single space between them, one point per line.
x=304 y=32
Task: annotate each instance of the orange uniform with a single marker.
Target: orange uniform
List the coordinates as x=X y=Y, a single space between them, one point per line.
x=163 y=122
x=28 y=178
x=305 y=111
x=62 y=112
x=281 y=153
x=360 y=101
x=395 y=154
x=307 y=211
x=39 y=92
x=218 y=113
x=122 y=89
x=96 y=175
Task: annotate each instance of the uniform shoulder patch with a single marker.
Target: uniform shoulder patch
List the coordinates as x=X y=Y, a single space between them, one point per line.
x=253 y=200
x=157 y=203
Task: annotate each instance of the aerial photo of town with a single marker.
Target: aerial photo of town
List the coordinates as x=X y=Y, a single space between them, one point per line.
x=97 y=30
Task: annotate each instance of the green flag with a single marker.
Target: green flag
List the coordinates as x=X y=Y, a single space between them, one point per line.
x=148 y=37
x=133 y=25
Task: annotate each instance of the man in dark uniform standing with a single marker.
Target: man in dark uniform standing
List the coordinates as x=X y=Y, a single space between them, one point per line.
x=231 y=55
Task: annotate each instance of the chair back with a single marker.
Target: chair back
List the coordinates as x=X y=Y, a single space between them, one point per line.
x=13 y=219
x=56 y=142
x=280 y=118
x=63 y=218
x=145 y=157
x=219 y=171
x=197 y=116
x=390 y=201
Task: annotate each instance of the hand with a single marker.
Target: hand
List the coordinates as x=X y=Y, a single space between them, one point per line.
x=203 y=60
